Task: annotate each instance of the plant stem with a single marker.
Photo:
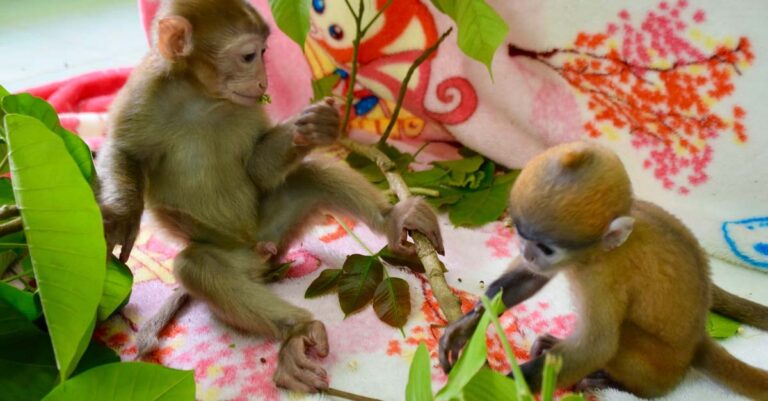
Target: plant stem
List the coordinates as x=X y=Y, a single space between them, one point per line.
x=17 y=276
x=5 y=160
x=353 y=73
x=12 y=245
x=523 y=392
x=352 y=234
x=349 y=396
x=433 y=193
x=404 y=86
x=7 y=211
x=11 y=227
x=448 y=302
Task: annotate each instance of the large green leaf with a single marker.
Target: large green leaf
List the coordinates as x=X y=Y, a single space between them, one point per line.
x=324 y=283
x=6 y=259
x=419 y=386
x=118 y=283
x=488 y=384
x=22 y=301
x=292 y=17
x=358 y=282
x=6 y=192
x=470 y=361
x=127 y=382
x=392 y=301
x=32 y=106
x=64 y=231
x=481 y=29
x=483 y=206
x=3 y=92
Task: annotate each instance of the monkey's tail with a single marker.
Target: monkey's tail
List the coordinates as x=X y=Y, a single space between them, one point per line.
x=715 y=361
x=147 y=338
x=743 y=310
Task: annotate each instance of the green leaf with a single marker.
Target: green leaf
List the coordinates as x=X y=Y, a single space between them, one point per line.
x=324 y=283
x=3 y=92
x=392 y=302
x=22 y=301
x=425 y=178
x=493 y=309
x=28 y=105
x=118 y=283
x=361 y=274
x=279 y=273
x=6 y=259
x=720 y=327
x=292 y=17
x=488 y=384
x=573 y=397
x=481 y=29
x=127 y=382
x=552 y=365
x=412 y=262
x=6 y=192
x=65 y=234
x=323 y=87
x=470 y=361
x=419 y=386
x=468 y=165
x=483 y=206
x=97 y=354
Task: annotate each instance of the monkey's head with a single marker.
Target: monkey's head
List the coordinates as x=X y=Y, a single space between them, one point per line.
x=569 y=202
x=220 y=44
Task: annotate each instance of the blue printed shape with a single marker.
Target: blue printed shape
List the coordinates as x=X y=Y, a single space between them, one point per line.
x=748 y=240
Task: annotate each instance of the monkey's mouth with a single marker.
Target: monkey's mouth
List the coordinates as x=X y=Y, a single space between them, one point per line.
x=250 y=97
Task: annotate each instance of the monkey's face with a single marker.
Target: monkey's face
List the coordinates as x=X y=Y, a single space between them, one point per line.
x=241 y=72
x=543 y=258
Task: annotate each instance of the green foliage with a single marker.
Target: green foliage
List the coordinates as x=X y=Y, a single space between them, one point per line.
x=323 y=87
x=412 y=262
x=127 y=381
x=326 y=282
x=71 y=221
x=392 y=301
x=487 y=384
x=481 y=29
x=359 y=279
x=419 y=386
x=62 y=246
x=721 y=327
x=471 y=189
x=292 y=17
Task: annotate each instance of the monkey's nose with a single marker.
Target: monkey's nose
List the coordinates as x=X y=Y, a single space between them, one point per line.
x=262 y=85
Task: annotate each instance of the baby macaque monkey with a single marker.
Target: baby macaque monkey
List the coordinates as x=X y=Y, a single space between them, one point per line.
x=189 y=140
x=640 y=281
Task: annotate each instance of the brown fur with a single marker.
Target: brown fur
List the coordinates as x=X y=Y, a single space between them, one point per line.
x=188 y=141
x=640 y=281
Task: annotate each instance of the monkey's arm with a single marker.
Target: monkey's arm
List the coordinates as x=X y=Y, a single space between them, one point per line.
x=518 y=284
x=279 y=150
x=121 y=197
x=593 y=345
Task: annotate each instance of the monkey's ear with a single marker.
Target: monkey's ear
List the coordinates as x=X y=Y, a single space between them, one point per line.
x=174 y=37
x=618 y=232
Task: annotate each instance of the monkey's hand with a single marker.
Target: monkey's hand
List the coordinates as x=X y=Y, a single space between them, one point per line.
x=318 y=125
x=296 y=370
x=456 y=336
x=120 y=229
x=543 y=344
x=413 y=214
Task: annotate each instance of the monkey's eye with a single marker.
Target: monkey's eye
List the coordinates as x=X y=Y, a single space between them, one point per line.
x=336 y=32
x=318 y=5
x=263 y=51
x=545 y=249
x=249 y=57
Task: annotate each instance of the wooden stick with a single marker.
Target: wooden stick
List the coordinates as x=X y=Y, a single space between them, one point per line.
x=349 y=396
x=11 y=227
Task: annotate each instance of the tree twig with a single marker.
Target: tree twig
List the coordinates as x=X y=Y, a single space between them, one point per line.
x=11 y=226
x=434 y=268
x=353 y=73
x=7 y=211
x=404 y=86
x=349 y=396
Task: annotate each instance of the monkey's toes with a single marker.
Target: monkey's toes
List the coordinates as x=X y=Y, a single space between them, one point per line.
x=543 y=344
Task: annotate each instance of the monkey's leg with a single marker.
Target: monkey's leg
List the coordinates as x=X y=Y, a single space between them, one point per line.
x=646 y=366
x=224 y=279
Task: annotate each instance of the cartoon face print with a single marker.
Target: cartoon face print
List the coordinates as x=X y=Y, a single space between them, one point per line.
x=748 y=239
x=332 y=23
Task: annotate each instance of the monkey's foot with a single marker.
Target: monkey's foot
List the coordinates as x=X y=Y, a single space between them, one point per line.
x=296 y=369
x=597 y=381
x=543 y=344
x=455 y=337
x=413 y=214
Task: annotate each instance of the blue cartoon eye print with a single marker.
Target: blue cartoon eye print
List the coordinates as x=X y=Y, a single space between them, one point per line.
x=748 y=240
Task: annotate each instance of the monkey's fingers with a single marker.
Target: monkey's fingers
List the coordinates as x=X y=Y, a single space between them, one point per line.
x=543 y=344
x=319 y=337
x=125 y=251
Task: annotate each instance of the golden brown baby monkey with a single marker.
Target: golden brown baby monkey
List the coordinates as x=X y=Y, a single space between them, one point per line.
x=189 y=140
x=640 y=281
